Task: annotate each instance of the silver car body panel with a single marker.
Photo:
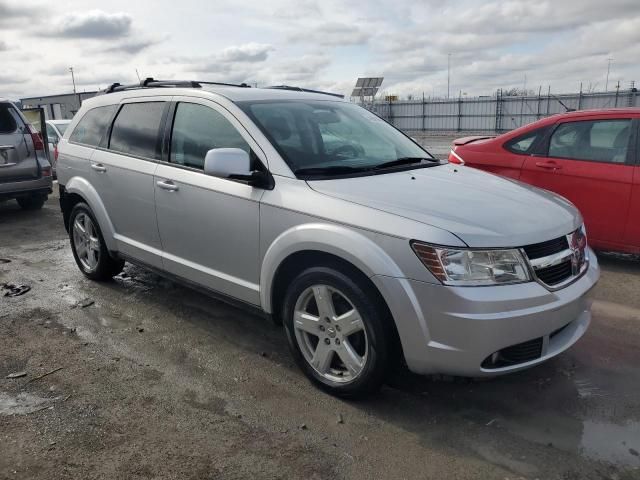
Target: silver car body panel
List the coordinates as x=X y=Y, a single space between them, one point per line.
x=232 y=238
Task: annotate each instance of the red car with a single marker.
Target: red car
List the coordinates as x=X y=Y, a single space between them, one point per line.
x=590 y=157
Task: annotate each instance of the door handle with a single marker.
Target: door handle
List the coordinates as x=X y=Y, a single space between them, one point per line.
x=98 y=167
x=549 y=165
x=7 y=147
x=167 y=185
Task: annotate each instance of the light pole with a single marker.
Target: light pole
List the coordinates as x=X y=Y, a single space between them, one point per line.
x=606 y=85
x=448 y=73
x=73 y=79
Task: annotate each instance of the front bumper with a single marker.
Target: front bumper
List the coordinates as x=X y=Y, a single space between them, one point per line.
x=453 y=330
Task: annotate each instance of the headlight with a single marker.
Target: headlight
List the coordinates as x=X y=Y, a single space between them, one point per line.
x=473 y=267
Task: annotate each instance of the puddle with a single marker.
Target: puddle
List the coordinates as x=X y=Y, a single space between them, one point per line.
x=586 y=389
x=612 y=443
x=22 y=404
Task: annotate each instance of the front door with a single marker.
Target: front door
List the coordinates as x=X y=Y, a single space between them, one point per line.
x=589 y=162
x=209 y=226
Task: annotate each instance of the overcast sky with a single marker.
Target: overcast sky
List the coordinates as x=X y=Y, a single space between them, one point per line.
x=321 y=44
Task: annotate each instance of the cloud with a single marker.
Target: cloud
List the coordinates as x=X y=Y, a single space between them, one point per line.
x=94 y=24
x=331 y=34
x=325 y=45
x=3 y=46
x=12 y=14
x=133 y=47
x=250 y=52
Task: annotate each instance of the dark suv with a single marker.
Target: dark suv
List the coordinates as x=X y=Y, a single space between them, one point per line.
x=25 y=172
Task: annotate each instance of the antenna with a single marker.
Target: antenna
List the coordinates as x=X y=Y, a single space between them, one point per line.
x=138 y=75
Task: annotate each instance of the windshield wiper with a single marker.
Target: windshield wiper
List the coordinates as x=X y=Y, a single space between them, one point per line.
x=332 y=170
x=404 y=161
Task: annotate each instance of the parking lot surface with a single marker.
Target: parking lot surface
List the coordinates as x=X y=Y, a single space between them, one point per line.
x=143 y=378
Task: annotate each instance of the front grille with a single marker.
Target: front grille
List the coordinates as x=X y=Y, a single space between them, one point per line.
x=544 y=249
x=555 y=274
x=515 y=354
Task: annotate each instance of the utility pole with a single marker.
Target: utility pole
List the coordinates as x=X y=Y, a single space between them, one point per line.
x=606 y=85
x=73 y=79
x=448 y=73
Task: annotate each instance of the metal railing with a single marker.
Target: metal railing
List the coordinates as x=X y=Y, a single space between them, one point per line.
x=498 y=113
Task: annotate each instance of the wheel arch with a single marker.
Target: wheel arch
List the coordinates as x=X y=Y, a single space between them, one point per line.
x=320 y=242
x=79 y=189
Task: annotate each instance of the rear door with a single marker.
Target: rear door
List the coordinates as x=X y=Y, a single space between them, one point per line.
x=122 y=173
x=590 y=162
x=17 y=156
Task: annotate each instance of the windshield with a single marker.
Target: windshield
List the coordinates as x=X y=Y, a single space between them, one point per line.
x=62 y=127
x=333 y=138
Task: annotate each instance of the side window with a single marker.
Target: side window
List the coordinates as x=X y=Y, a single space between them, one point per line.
x=597 y=141
x=198 y=129
x=93 y=125
x=8 y=123
x=524 y=143
x=52 y=135
x=136 y=128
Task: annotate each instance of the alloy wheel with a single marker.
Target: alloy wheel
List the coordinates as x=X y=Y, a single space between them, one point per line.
x=86 y=242
x=330 y=333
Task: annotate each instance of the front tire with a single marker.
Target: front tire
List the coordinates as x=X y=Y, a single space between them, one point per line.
x=88 y=247
x=338 y=330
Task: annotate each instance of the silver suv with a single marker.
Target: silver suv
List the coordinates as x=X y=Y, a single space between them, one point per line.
x=318 y=213
x=25 y=172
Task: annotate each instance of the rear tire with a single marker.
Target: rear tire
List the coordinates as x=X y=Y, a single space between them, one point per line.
x=88 y=247
x=32 y=202
x=354 y=325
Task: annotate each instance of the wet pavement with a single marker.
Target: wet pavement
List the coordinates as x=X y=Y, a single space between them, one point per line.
x=158 y=381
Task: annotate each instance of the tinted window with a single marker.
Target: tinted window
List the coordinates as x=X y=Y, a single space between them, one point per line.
x=7 y=122
x=135 y=129
x=524 y=143
x=52 y=135
x=92 y=127
x=62 y=127
x=198 y=129
x=599 y=141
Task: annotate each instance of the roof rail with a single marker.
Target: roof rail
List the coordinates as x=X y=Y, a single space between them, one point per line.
x=307 y=90
x=152 y=83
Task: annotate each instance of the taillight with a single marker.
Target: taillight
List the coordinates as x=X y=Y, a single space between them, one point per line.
x=38 y=144
x=46 y=171
x=455 y=158
x=55 y=153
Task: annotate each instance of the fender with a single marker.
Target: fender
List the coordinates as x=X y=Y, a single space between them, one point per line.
x=337 y=240
x=82 y=187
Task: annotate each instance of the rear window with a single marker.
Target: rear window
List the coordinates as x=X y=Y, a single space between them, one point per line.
x=524 y=144
x=7 y=122
x=92 y=127
x=135 y=130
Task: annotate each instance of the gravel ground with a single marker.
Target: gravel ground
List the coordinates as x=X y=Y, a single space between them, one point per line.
x=157 y=381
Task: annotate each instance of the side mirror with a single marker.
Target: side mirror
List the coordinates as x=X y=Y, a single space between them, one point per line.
x=235 y=163
x=227 y=163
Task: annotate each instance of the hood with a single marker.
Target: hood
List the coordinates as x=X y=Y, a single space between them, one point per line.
x=482 y=209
